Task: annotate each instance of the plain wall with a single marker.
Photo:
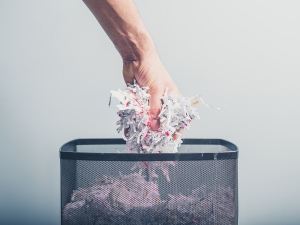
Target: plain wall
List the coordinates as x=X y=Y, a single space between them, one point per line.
x=57 y=67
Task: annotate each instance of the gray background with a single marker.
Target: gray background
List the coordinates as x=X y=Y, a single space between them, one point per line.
x=58 y=66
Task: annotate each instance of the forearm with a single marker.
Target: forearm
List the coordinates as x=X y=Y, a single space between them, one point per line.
x=123 y=25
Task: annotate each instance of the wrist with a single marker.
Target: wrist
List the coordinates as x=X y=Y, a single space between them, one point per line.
x=136 y=46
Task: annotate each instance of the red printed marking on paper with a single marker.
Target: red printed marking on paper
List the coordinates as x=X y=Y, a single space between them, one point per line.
x=196 y=220
x=138 y=102
x=146 y=164
x=148 y=132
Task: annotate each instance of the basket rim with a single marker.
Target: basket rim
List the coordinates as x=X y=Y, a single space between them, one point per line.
x=68 y=151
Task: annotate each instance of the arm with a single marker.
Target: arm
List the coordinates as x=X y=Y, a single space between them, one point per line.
x=123 y=25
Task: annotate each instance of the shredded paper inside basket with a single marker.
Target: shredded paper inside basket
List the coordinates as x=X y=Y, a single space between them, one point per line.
x=177 y=112
x=131 y=199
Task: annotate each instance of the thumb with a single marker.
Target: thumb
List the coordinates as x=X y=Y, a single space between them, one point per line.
x=155 y=108
x=128 y=72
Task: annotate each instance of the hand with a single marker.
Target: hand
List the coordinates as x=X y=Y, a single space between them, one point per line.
x=150 y=72
x=123 y=25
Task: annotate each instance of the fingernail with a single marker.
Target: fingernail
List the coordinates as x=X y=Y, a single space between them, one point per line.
x=154 y=124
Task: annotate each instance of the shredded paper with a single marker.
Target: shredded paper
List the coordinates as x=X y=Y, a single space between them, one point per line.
x=131 y=199
x=177 y=113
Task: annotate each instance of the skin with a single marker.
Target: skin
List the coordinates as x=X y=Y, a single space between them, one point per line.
x=122 y=23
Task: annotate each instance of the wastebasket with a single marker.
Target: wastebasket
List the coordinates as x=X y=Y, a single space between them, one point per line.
x=196 y=185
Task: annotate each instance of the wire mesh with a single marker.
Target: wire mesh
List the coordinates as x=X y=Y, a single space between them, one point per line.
x=142 y=192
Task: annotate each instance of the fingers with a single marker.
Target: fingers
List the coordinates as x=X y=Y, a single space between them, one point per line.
x=155 y=108
x=155 y=124
x=156 y=105
x=128 y=72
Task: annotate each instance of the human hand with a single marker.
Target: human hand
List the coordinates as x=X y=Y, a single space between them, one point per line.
x=123 y=25
x=151 y=73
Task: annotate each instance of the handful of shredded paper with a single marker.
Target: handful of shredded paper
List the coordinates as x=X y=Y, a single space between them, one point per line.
x=177 y=112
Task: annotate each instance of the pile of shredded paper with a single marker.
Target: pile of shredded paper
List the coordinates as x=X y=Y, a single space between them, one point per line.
x=131 y=199
x=177 y=112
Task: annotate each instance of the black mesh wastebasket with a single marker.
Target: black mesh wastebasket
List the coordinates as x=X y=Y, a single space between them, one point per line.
x=197 y=185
